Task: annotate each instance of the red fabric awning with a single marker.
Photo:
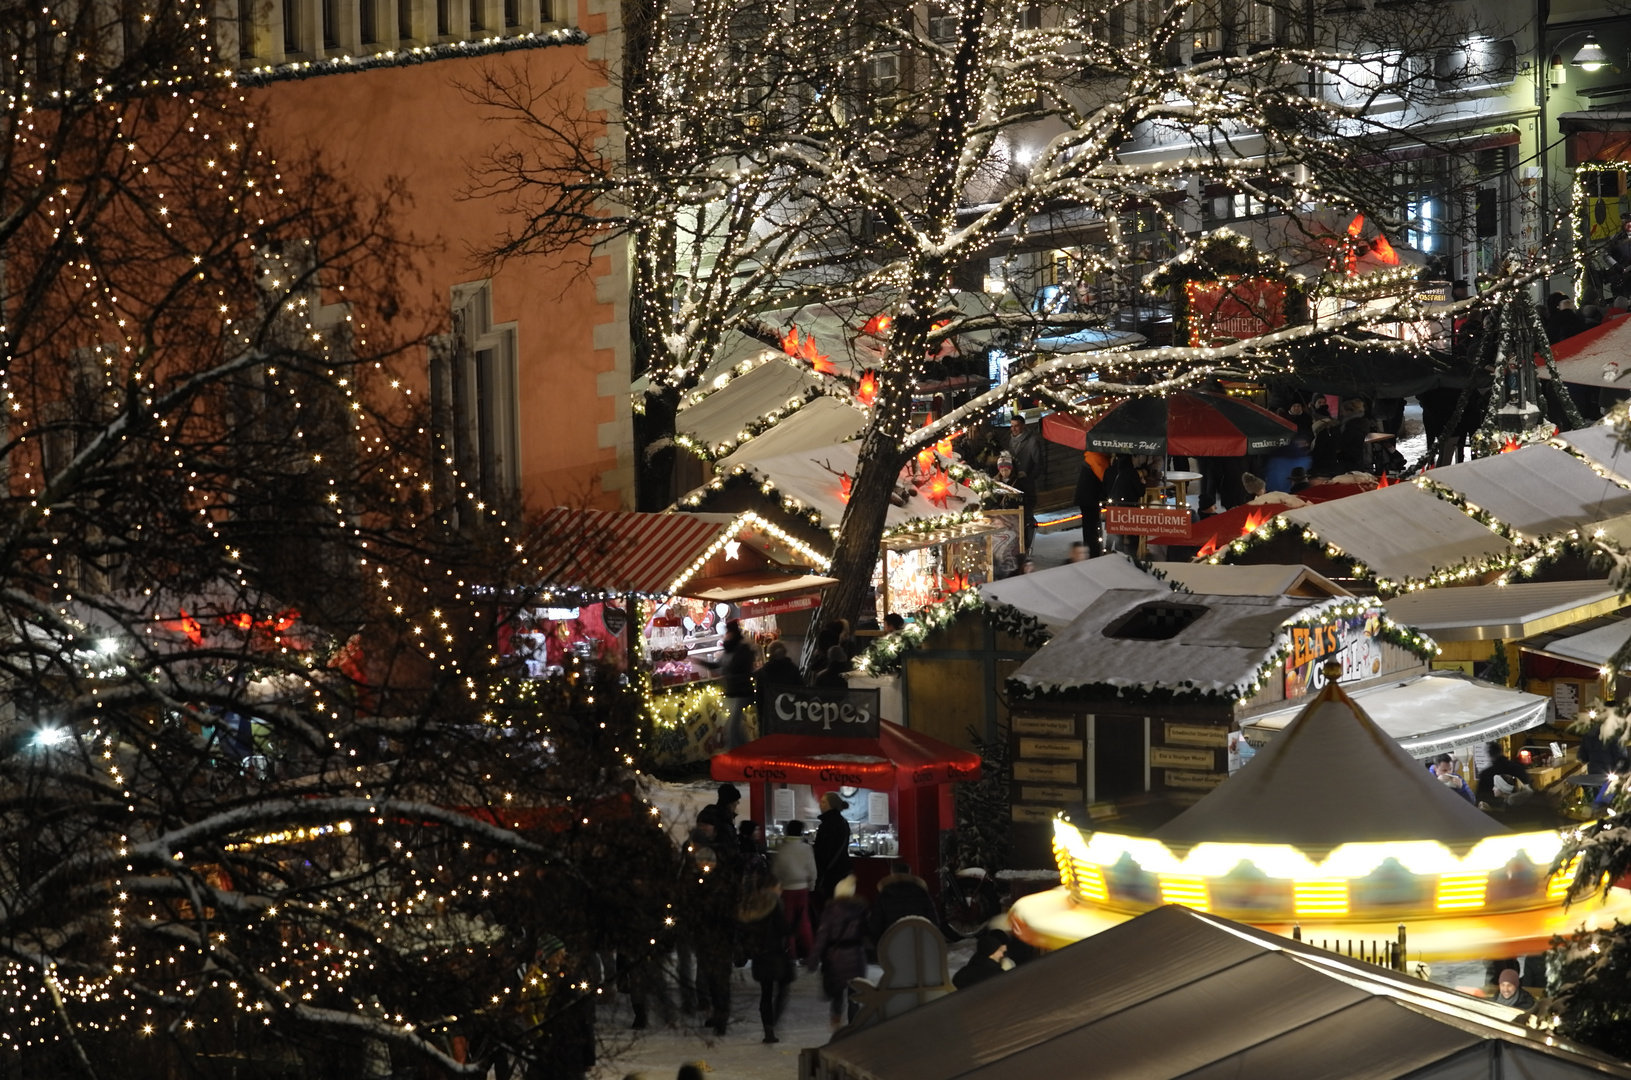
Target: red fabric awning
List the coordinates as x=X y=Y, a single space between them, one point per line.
x=1066 y=429
x=897 y=758
x=1220 y=530
x=617 y=551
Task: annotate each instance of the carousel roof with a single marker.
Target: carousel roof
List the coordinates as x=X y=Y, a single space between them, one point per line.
x=1333 y=776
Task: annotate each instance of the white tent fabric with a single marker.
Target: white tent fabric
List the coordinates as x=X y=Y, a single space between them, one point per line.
x=718 y=418
x=1600 y=356
x=1593 y=647
x=1431 y=714
x=811 y=477
x=1257 y=579
x=1537 y=490
x=822 y=422
x=1057 y=595
x=1488 y=612
x=1601 y=446
x=1400 y=532
x=1176 y=993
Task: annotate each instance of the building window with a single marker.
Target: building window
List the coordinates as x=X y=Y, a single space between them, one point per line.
x=476 y=21
x=246 y=29
x=291 y=26
x=512 y=13
x=331 y=29
x=444 y=17
x=368 y=22
x=404 y=19
x=474 y=386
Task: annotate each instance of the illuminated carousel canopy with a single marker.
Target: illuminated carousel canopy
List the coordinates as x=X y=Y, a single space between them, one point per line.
x=1331 y=777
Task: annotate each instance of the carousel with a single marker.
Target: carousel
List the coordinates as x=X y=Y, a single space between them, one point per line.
x=1331 y=832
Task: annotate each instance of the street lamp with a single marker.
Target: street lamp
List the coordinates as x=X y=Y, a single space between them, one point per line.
x=1591 y=57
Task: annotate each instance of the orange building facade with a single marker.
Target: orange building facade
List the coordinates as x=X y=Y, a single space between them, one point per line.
x=372 y=91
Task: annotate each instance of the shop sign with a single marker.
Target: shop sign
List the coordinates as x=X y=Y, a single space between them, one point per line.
x=1069 y=749
x=1054 y=795
x=1183 y=759
x=1147 y=521
x=1034 y=815
x=1045 y=725
x=1352 y=641
x=1205 y=781
x=1063 y=772
x=1196 y=735
x=779 y=606
x=819 y=710
x=1235 y=308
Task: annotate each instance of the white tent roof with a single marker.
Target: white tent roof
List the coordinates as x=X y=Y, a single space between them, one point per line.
x=718 y=417
x=1594 y=648
x=822 y=422
x=1400 y=532
x=1537 y=490
x=1584 y=358
x=1260 y=579
x=1057 y=595
x=1600 y=445
x=1432 y=714
x=1489 y=612
x=1177 y=993
x=811 y=477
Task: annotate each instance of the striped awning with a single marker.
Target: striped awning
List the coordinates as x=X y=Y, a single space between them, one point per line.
x=624 y=552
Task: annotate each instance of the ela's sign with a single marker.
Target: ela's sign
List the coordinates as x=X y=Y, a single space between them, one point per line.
x=812 y=710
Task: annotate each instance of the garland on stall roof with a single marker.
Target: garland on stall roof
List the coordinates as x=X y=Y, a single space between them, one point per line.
x=886 y=654
x=751 y=430
x=1607 y=474
x=1408 y=638
x=921 y=526
x=1477 y=513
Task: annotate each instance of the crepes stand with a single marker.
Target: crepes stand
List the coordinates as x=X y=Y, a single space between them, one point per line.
x=896 y=781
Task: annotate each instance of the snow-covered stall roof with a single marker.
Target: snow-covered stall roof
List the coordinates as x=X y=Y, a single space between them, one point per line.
x=1537 y=490
x=1400 y=533
x=812 y=479
x=1057 y=595
x=822 y=422
x=1437 y=713
x=718 y=420
x=1121 y=641
x=1260 y=579
x=1495 y=612
x=1594 y=647
x=1601 y=446
x=1179 y=993
x=1600 y=356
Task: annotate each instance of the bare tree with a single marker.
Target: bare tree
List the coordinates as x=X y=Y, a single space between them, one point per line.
x=271 y=793
x=858 y=151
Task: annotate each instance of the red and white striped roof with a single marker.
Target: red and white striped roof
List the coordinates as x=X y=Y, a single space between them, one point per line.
x=623 y=552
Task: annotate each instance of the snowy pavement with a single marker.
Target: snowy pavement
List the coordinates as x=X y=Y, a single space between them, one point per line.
x=657 y=1054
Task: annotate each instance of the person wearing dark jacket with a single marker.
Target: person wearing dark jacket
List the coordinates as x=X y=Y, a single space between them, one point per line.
x=989 y=949
x=1499 y=765
x=1090 y=500
x=765 y=933
x=840 y=947
x=831 y=848
x=779 y=669
x=737 y=682
x=832 y=676
x=900 y=894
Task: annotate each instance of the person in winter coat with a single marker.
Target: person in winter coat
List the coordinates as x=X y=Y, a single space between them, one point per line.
x=1510 y=992
x=832 y=676
x=1090 y=493
x=795 y=869
x=764 y=943
x=736 y=671
x=779 y=668
x=840 y=948
x=831 y=847
x=900 y=894
x=750 y=841
x=989 y=949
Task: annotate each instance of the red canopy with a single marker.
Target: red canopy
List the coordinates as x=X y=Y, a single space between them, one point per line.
x=1220 y=530
x=1066 y=429
x=897 y=758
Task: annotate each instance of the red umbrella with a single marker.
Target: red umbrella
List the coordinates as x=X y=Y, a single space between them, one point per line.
x=1184 y=423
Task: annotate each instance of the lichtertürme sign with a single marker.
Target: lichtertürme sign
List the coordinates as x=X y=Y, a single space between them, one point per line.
x=1147 y=521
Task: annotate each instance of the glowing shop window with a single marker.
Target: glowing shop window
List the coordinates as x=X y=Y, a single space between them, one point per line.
x=1320 y=897
x=1460 y=892
x=1189 y=891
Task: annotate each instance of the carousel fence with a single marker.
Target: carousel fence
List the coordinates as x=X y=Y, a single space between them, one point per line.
x=1381 y=952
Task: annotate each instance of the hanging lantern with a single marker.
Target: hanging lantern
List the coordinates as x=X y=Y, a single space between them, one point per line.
x=866 y=391
x=844 y=484
x=878 y=325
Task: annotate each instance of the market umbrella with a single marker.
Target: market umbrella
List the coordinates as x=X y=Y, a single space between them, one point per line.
x=1187 y=423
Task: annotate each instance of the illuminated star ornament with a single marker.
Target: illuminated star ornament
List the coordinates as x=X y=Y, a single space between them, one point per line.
x=733 y=548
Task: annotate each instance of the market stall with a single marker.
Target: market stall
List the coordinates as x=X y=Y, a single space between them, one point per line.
x=896 y=782
x=1536 y=491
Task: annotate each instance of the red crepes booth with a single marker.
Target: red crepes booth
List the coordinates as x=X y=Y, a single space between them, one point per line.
x=897 y=781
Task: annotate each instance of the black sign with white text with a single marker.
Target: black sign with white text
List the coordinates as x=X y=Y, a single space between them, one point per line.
x=818 y=710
